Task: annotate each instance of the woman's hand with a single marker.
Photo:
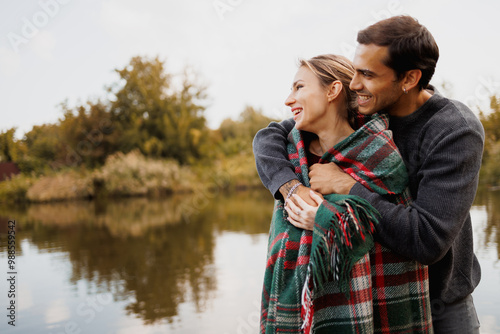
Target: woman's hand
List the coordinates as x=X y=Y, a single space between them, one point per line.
x=302 y=215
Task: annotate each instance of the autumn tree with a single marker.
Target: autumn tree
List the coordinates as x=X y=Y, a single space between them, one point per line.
x=10 y=148
x=156 y=116
x=87 y=135
x=237 y=135
x=43 y=144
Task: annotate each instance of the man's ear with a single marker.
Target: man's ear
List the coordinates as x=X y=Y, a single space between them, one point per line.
x=334 y=90
x=411 y=79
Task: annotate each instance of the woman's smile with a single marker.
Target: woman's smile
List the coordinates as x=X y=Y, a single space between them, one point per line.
x=296 y=111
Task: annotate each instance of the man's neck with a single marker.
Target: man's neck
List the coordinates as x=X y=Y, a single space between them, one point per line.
x=410 y=103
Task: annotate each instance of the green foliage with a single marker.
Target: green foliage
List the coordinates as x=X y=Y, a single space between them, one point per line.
x=43 y=145
x=145 y=111
x=490 y=173
x=43 y=142
x=237 y=136
x=15 y=189
x=156 y=117
x=491 y=120
x=88 y=135
x=134 y=142
x=10 y=149
x=234 y=150
x=239 y=171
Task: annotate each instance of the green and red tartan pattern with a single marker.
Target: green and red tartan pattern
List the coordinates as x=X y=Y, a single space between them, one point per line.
x=387 y=293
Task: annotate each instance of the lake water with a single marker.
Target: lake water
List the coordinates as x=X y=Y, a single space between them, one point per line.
x=190 y=264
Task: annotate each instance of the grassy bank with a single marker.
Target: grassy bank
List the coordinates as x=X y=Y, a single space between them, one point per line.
x=131 y=174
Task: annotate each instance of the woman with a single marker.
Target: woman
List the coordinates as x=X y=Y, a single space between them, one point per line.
x=324 y=273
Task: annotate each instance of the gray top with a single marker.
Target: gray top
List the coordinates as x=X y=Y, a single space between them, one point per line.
x=441 y=144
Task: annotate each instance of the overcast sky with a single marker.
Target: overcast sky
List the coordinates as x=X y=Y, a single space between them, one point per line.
x=245 y=51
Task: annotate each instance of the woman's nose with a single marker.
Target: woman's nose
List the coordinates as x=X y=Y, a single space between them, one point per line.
x=289 y=100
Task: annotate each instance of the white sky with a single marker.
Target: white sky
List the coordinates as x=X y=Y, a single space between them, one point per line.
x=53 y=50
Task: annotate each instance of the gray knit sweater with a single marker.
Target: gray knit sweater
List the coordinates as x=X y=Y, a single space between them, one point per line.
x=441 y=144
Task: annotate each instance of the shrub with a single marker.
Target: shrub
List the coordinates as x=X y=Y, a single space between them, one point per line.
x=133 y=174
x=61 y=186
x=15 y=188
x=239 y=171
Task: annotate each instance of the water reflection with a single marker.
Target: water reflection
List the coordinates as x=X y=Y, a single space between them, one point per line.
x=154 y=254
x=183 y=264
x=490 y=200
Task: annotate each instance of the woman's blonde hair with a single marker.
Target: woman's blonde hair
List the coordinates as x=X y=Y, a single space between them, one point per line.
x=329 y=68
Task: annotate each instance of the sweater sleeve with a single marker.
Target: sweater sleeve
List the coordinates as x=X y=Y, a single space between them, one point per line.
x=447 y=179
x=271 y=157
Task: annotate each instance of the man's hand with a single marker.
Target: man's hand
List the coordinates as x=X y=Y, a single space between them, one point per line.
x=329 y=178
x=302 y=191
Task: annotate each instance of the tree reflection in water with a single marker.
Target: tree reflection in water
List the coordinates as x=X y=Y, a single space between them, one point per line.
x=491 y=201
x=147 y=252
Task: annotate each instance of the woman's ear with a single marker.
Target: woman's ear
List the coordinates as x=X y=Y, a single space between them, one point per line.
x=334 y=90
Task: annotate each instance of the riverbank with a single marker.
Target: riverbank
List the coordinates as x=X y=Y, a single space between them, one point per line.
x=131 y=175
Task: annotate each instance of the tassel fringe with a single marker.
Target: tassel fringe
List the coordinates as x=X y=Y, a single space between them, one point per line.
x=344 y=243
x=307 y=310
x=348 y=237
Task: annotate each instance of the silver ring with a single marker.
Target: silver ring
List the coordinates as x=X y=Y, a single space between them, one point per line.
x=299 y=212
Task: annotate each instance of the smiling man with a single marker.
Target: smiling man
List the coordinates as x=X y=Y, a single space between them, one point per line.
x=441 y=142
x=380 y=88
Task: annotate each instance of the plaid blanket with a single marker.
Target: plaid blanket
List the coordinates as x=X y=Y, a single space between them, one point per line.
x=335 y=279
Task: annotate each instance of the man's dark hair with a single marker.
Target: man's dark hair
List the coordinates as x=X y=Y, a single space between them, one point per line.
x=410 y=46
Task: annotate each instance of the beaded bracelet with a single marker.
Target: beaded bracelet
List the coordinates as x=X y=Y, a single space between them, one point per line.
x=290 y=193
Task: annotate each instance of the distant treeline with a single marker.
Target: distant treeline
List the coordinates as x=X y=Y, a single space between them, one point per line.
x=149 y=135
x=147 y=112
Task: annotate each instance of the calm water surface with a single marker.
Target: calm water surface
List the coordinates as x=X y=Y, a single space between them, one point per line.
x=178 y=265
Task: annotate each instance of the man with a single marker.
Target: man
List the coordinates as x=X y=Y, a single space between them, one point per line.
x=441 y=142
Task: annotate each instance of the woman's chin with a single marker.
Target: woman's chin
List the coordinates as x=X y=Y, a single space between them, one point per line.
x=301 y=127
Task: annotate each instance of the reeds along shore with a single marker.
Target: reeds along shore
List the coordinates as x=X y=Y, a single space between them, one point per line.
x=132 y=174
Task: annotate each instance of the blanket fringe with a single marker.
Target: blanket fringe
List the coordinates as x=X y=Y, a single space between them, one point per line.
x=307 y=309
x=344 y=243
x=348 y=237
